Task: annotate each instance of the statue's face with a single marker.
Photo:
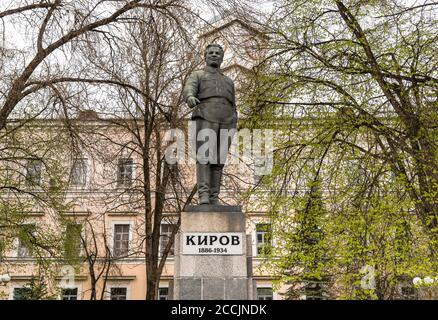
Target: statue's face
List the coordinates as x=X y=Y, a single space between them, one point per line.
x=214 y=57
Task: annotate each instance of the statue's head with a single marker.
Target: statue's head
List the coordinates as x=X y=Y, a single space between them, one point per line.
x=214 y=55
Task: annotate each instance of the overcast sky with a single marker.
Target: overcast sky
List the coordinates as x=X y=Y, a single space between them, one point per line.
x=15 y=37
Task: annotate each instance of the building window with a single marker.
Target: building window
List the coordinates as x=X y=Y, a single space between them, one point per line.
x=163 y=293
x=72 y=243
x=22 y=293
x=119 y=293
x=69 y=294
x=264 y=294
x=263 y=238
x=26 y=240
x=79 y=172
x=124 y=172
x=33 y=172
x=165 y=236
x=121 y=240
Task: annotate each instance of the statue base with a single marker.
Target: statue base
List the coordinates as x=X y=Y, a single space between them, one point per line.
x=212 y=255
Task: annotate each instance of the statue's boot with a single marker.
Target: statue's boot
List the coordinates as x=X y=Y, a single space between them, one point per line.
x=203 y=180
x=215 y=183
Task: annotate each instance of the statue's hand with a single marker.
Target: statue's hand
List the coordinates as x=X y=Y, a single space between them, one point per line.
x=193 y=101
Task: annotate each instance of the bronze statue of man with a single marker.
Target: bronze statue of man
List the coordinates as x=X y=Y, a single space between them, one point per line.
x=211 y=95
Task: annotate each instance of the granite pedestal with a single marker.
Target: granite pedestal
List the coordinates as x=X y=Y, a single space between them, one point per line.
x=212 y=276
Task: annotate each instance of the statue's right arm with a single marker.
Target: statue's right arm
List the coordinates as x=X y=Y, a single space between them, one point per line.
x=190 y=91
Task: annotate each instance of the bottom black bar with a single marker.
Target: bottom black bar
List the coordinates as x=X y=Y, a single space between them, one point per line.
x=124 y=310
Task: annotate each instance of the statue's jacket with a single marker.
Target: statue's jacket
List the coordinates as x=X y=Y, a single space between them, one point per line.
x=216 y=93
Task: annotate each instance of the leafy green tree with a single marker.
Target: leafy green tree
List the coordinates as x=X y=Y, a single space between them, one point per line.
x=351 y=88
x=32 y=196
x=304 y=247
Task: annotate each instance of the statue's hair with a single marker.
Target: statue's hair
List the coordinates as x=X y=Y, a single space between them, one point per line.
x=213 y=45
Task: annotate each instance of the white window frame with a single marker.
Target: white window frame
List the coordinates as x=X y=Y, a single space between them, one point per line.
x=87 y=173
x=120 y=184
x=254 y=235
x=118 y=285
x=163 y=287
x=16 y=243
x=268 y=284
x=169 y=255
x=111 y=235
x=27 y=166
x=78 y=287
x=263 y=234
x=13 y=287
x=264 y=287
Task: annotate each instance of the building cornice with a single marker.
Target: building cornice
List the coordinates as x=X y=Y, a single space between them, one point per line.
x=121 y=278
x=230 y=23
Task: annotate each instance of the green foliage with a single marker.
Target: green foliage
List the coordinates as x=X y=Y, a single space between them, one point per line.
x=36 y=289
x=349 y=88
x=38 y=239
x=72 y=243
